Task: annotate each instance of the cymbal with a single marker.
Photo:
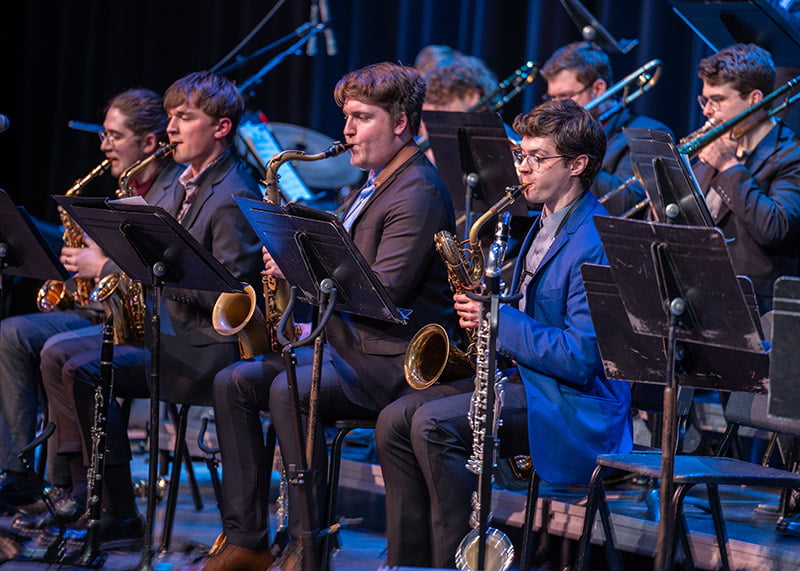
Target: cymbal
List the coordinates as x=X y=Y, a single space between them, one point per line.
x=330 y=173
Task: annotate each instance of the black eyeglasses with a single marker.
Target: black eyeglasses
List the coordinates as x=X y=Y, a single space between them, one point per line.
x=534 y=161
x=547 y=97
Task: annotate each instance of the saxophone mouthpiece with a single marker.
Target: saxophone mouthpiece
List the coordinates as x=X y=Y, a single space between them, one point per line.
x=337 y=148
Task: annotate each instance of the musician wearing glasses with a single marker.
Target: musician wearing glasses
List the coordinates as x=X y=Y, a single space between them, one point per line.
x=202 y=111
x=573 y=412
x=582 y=72
x=751 y=174
x=134 y=124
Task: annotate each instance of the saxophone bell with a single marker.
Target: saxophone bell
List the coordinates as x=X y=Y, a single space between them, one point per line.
x=239 y=314
x=431 y=358
x=499 y=551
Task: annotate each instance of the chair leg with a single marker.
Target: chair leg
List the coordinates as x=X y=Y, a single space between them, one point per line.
x=175 y=477
x=530 y=517
x=334 y=468
x=719 y=524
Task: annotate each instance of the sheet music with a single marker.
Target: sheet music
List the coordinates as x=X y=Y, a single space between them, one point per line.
x=261 y=140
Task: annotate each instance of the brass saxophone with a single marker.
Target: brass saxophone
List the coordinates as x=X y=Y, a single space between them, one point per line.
x=429 y=357
x=54 y=293
x=236 y=313
x=122 y=297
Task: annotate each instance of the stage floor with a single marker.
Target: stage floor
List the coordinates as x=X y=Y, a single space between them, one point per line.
x=754 y=542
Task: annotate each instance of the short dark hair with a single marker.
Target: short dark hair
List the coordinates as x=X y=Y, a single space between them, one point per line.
x=395 y=88
x=573 y=130
x=217 y=96
x=589 y=62
x=143 y=110
x=448 y=82
x=747 y=66
x=434 y=55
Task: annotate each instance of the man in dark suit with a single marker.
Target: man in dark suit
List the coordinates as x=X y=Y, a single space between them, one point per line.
x=204 y=110
x=582 y=72
x=751 y=181
x=134 y=124
x=392 y=222
x=573 y=412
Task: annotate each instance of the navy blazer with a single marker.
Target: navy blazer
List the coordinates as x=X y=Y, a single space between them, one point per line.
x=617 y=164
x=574 y=412
x=761 y=209
x=394 y=232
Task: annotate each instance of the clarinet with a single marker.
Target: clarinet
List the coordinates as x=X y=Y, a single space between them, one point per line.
x=91 y=555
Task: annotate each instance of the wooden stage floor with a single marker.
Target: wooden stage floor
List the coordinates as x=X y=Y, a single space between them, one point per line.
x=754 y=542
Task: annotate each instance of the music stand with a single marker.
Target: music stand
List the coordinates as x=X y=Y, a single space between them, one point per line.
x=677 y=284
x=667 y=178
x=23 y=250
x=784 y=401
x=150 y=246
x=325 y=268
x=722 y=23
x=473 y=156
x=593 y=31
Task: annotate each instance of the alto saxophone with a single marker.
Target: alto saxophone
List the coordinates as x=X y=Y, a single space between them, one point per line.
x=429 y=357
x=236 y=313
x=122 y=297
x=54 y=293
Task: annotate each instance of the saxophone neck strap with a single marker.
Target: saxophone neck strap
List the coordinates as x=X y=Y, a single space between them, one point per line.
x=393 y=166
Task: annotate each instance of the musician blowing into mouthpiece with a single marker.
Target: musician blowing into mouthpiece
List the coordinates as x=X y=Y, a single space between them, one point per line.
x=751 y=182
x=573 y=412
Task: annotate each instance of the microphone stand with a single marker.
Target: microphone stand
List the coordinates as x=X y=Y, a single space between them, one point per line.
x=241 y=60
x=297 y=474
x=271 y=64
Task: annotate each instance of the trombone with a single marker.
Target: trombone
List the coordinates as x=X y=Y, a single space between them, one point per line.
x=644 y=78
x=508 y=88
x=693 y=143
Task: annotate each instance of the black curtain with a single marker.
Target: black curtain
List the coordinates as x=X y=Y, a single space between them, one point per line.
x=63 y=60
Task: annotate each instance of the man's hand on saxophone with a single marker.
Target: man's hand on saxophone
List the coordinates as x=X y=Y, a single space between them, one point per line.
x=87 y=262
x=270 y=267
x=468 y=311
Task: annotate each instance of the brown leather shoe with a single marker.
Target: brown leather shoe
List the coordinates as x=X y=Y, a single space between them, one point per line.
x=234 y=558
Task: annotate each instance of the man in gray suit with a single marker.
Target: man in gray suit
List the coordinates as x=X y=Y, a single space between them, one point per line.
x=392 y=222
x=204 y=110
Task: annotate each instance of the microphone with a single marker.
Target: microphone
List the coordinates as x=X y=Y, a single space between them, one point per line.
x=330 y=41
x=313 y=19
x=5 y=123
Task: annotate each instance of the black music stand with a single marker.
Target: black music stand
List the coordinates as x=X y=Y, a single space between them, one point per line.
x=23 y=250
x=667 y=178
x=325 y=268
x=677 y=284
x=784 y=400
x=150 y=246
x=474 y=158
x=722 y=23
x=593 y=31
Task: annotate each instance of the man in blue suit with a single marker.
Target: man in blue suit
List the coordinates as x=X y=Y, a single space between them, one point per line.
x=573 y=412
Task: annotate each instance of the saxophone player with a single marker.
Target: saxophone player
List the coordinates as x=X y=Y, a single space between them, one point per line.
x=202 y=113
x=392 y=221
x=133 y=124
x=573 y=412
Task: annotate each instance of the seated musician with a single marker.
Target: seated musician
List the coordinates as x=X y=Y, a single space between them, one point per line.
x=134 y=124
x=203 y=110
x=392 y=221
x=751 y=174
x=573 y=412
x=582 y=72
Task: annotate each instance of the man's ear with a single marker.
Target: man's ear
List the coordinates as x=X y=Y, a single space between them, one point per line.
x=579 y=165
x=149 y=144
x=224 y=126
x=599 y=87
x=400 y=124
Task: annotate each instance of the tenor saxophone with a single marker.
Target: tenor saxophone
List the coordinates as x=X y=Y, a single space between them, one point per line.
x=122 y=297
x=236 y=313
x=54 y=293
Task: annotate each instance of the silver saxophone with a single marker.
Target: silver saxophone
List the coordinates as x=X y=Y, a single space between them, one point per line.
x=484 y=420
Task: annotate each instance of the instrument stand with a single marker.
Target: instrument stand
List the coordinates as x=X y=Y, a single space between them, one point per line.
x=24 y=251
x=677 y=283
x=473 y=156
x=151 y=247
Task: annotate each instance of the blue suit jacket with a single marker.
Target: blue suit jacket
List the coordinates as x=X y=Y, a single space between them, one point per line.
x=574 y=412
